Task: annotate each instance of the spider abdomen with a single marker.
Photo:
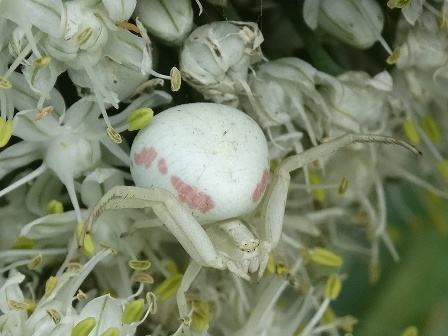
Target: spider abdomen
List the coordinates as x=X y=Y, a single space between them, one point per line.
x=214 y=158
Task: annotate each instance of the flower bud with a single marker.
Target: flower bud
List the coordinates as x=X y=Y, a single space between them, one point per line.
x=119 y=10
x=216 y=57
x=358 y=23
x=169 y=20
x=46 y=15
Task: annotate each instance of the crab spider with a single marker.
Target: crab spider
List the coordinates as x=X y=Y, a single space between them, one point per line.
x=203 y=166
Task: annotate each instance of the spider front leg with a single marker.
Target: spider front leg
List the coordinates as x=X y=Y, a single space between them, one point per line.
x=171 y=212
x=276 y=194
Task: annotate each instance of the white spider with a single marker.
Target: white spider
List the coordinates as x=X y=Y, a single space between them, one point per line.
x=207 y=164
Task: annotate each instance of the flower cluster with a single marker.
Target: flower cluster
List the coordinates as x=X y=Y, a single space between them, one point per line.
x=78 y=76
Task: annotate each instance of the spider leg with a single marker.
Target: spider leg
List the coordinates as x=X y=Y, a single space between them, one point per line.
x=276 y=194
x=171 y=212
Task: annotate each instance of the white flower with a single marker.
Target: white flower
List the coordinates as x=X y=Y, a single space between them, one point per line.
x=358 y=102
x=283 y=92
x=68 y=142
x=215 y=59
x=11 y=300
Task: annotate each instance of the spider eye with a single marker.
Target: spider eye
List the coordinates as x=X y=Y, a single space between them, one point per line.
x=250 y=246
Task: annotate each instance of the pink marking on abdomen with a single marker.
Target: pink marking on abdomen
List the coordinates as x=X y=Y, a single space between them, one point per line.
x=188 y=194
x=161 y=165
x=261 y=187
x=145 y=157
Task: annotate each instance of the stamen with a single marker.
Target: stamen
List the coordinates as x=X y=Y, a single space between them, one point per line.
x=35 y=173
x=133 y=311
x=54 y=314
x=17 y=306
x=5 y=132
x=129 y=26
x=37 y=260
x=411 y=131
x=398 y=3
x=140 y=118
x=176 y=79
x=140 y=265
x=343 y=186
x=113 y=135
x=84 y=327
x=50 y=285
x=25 y=51
x=42 y=113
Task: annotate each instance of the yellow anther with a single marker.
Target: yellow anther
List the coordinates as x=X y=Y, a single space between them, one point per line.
x=42 y=113
x=84 y=327
x=442 y=166
x=186 y=320
x=107 y=247
x=23 y=243
x=299 y=329
x=343 y=186
x=74 y=267
x=281 y=269
x=410 y=331
x=5 y=131
x=398 y=3
x=31 y=306
x=83 y=36
x=347 y=323
x=332 y=287
x=139 y=265
x=129 y=26
x=17 y=306
x=4 y=83
x=176 y=79
x=329 y=316
x=133 y=311
x=54 y=314
x=113 y=135
x=273 y=165
x=112 y=331
x=171 y=267
x=37 y=260
x=411 y=131
x=88 y=248
x=140 y=118
x=169 y=287
x=431 y=129
x=54 y=207
x=50 y=285
x=109 y=291
x=81 y=296
x=325 y=257
x=315 y=180
x=393 y=58
x=270 y=267
x=151 y=299
x=143 y=278
x=201 y=315
x=42 y=62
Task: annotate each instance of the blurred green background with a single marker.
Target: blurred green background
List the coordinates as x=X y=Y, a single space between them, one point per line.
x=413 y=291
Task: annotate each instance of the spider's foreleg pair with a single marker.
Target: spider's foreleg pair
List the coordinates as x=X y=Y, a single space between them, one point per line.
x=276 y=194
